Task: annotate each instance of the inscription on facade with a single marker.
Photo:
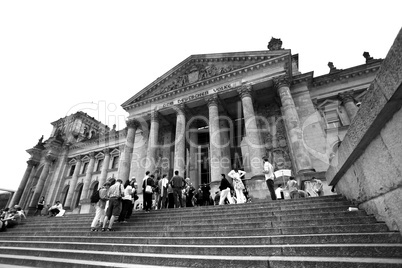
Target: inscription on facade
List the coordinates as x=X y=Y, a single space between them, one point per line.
x=200 y=95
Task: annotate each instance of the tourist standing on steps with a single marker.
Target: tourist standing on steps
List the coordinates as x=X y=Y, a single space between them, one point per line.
x=39 y=207
x=163 y=186
x=126 y=202
x=148 y=185
x=269 y=177
x=238 y=185
x=143 y=188
x=225 y=188
x=100 y=207
x=115 y=193
x=177 y=184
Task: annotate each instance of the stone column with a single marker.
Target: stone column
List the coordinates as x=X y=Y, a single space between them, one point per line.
x=17 y=195
x=24 y=198
x=349 y=103
x=300 y=155
x=193 y=137
x=214 y=139
x=88 y=175
x=73 y=183
x=125 y=164
x=105 y=167
x=153 y=141
x=225 y=142
x=41 y=182
x=180 y=142
x=252 y=133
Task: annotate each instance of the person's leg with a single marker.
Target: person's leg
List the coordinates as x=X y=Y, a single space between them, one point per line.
x=270 y=184
x=224 y=193
x=96 y=218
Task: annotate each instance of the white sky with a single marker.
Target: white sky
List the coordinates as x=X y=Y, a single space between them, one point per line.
x=57 y=57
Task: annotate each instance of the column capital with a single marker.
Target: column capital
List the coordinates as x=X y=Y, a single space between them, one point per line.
x=91 y=155
x=155 y=116
x=180 y=109
x=346 y=96
x=132 y=123
x=106 y=151
x=78 y=158
x=50 y=158
x=281 y=81
x=32 y=163
x=212 y=100
x=244 y=91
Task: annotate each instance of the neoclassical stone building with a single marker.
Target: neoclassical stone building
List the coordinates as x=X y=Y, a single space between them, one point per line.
x=203 y=117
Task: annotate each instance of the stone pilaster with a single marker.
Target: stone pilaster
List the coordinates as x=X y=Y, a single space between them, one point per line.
x=349 y=104
x=25 y=195
x=214 y=139
x=105 y=166
x=180 y=142
x=153 y=141
x=73 y=183
x=125 y=162
x=41 y=183
x=299 y=152
x=252 y=132
x=17 y=195
x=88 y=176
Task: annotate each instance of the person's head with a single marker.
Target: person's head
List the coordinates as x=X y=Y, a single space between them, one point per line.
x=135 y=185
x=265 y=159
x=126 y=183
x=119 y=181
x=223 y=176
x=57 y=202
x=164 y=175
x=280 y=185
x=133 y=179
x=291 y=178
x=106 y=185
x=152 y=176
x=236 y=169
x=147 y=173
x=112 y=181
x=43 y=198
x=176 y=172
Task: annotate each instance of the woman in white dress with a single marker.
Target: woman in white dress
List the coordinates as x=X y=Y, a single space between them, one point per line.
x=238 y=185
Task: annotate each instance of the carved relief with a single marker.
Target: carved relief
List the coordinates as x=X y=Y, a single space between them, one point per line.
x=196 y=72
x=273 y=135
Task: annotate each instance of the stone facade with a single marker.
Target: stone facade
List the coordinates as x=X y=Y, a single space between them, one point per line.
x=368 y=165
x=203 y=117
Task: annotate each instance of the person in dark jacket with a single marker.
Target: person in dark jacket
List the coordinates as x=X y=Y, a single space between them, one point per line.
x=225 y=190
x=148 y=195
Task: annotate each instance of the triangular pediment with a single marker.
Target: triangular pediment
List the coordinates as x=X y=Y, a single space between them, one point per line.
x=198 y=68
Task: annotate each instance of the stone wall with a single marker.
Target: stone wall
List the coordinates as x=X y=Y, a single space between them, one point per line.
x=367 y=168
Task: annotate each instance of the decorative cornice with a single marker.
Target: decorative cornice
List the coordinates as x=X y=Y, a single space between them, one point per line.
x=281 y=81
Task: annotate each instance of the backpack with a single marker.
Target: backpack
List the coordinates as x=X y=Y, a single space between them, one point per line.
x=95 y=197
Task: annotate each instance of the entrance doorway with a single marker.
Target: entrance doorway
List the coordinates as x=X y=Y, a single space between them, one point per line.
x=203 y=163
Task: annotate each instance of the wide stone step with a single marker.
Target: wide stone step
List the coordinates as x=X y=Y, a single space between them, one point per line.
x=154 y=216
x=331 y=250
x=348 y=238
x=245 y=231
x=229 y=225
x=41 y=258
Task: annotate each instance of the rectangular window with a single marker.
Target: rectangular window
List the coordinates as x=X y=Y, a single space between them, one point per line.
x=332 y=119
x=71 y=170
x=115 y=162
x=99 y=166
x=84 y=169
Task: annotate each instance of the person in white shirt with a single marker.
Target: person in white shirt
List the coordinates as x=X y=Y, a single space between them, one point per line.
x=238 y=185
x=279 y=192
x=269 y=177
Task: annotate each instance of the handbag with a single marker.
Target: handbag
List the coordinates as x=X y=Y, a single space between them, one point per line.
x=148 y=189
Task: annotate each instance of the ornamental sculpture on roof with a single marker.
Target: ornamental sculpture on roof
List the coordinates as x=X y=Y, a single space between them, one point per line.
x=275 y=44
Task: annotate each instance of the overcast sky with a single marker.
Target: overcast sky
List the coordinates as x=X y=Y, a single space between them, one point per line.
x=58 y=57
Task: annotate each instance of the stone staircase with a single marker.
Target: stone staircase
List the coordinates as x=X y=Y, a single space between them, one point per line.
x=313 y=232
